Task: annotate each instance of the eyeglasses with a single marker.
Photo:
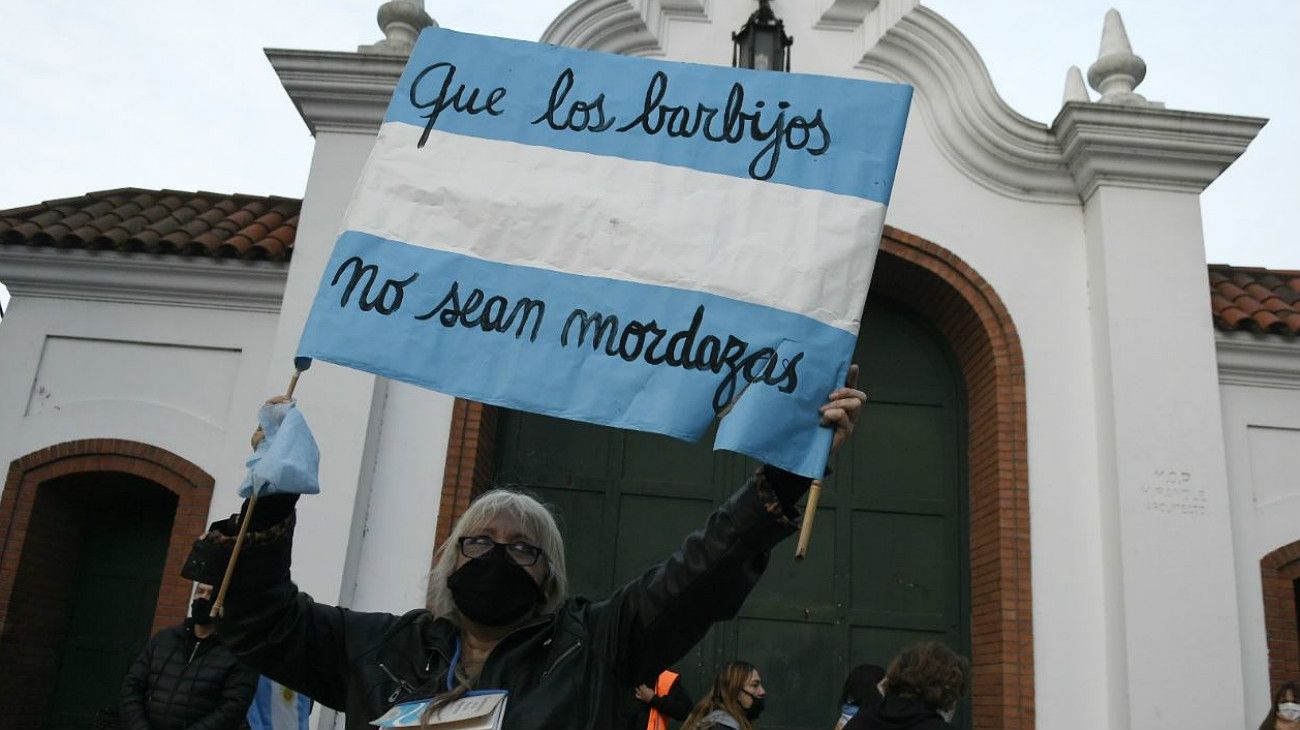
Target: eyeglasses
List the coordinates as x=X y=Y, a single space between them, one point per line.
x=478 y=546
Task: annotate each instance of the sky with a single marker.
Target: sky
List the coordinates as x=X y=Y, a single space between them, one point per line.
x=166 y=94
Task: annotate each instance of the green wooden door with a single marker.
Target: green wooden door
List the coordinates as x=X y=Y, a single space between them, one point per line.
x=124 y=544
x=888 y=562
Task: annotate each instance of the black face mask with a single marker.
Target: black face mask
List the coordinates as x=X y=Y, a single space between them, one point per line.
x=201 y=611
x=493 y=590
x=756 y=708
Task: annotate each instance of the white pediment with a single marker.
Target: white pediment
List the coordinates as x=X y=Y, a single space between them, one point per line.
x=969 y=122
x=899 y=40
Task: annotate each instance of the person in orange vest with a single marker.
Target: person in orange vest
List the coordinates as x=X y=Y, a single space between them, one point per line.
x=666 y=699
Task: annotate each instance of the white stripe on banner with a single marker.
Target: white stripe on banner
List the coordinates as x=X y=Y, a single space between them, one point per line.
x=536 y=206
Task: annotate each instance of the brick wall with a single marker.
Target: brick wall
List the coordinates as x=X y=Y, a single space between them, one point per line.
x=35 y=626
x=968 y=313
x=39 y=545
x=471 y=461
x=1279 y=571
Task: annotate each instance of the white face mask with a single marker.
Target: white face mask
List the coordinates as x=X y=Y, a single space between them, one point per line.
x=1289 y=711
x=947 y=715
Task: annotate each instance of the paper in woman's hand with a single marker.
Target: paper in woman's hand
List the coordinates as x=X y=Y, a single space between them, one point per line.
x=478 y=710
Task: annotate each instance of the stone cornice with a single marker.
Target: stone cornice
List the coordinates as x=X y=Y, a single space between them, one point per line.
x=629 y=27
x=137 y=278
x=844 y=14
x=1148 y=147
x=338 y=91
x=1268 y=361
x=971 y=124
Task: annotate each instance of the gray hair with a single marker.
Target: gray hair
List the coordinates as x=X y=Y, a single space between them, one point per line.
x=539 y=525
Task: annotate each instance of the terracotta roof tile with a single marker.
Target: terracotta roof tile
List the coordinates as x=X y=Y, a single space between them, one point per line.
x=159 y=221
x=1255 y=300
x=250 y=227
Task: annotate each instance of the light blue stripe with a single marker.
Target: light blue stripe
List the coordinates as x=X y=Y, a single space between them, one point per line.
x=575 y=381
x=865 y=119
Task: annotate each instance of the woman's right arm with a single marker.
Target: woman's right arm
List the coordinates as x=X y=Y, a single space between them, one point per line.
x=656 y=619
x=653 y=621
x=270 y=624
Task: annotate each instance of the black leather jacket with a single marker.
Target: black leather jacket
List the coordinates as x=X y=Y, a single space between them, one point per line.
x=570 y=669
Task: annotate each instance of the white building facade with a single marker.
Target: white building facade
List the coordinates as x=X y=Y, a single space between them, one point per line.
x=1133 y=506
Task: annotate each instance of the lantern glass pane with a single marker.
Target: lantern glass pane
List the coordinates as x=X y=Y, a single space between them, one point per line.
x=744 y=52
x=767 y=49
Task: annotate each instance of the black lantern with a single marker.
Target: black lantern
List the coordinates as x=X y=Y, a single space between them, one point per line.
x=762 y=43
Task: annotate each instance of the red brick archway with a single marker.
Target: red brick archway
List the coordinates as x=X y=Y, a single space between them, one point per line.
x=978 y=328
x=976 y=325
x=1279 y=571
x=30 y=654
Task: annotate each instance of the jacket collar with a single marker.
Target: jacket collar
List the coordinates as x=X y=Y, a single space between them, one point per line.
x=721 y=717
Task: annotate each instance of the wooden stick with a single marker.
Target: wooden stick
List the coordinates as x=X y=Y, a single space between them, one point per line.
x=293 y=383
x=815 y=492
x=809 y=514
x=218 y=606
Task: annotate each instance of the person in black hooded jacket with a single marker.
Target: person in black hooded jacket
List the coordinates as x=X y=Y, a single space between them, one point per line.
x=649 y=708
x=187 y=678
x=497 y=615
x=922 y=687
x=861 y=689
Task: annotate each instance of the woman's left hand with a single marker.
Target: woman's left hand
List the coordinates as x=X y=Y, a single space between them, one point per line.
x=842 y=409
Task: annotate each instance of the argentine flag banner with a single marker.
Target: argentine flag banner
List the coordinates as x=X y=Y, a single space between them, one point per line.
x=636 y=243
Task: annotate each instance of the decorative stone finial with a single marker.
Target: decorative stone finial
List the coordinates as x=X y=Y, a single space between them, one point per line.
x=1074 y=88
x=401 y=21
x=1117 y=70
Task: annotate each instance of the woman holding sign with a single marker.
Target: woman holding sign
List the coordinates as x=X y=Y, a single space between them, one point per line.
x=500 y=640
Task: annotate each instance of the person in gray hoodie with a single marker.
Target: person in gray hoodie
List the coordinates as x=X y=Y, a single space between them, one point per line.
x=734 y=701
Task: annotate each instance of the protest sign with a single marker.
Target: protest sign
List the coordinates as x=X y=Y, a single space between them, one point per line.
x=618 y=240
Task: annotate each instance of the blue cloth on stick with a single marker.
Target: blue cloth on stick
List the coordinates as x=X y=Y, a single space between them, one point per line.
x=287 y=461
